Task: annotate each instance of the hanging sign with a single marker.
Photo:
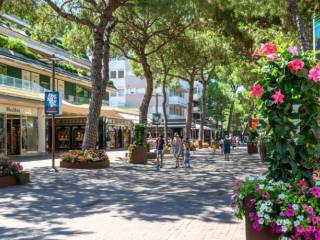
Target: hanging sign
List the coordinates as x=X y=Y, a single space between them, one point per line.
x=52 y=103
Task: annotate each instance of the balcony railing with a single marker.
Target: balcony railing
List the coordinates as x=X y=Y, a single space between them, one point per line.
x=177 y=100
x=21 y=84
x=29 y=86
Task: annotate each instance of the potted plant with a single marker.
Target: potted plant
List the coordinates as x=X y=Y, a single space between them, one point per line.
x=138 y=150
x=252 y=141
x=11 y=173
x=284 y=204
x=85 y=159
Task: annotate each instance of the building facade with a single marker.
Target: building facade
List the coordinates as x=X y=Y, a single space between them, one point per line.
x=131 y=89
x=25 y=76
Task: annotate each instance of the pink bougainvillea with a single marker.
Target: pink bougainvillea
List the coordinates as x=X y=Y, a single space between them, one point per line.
x=268 y=48
x=271 y=57
x=314 y=73
x=256 y=90
x=278 y=97
x=296 y=65
x=293 y=51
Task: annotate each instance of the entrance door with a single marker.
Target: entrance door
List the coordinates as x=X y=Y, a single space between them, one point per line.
x=13 y=135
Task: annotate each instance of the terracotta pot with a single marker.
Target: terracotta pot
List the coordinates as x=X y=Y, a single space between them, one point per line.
x=151 y=155
x=252 y=148
x=7 y=181
x=139 y=155
x=253 y=235
x=200 y=144
x=167 y=151
x=85 y=165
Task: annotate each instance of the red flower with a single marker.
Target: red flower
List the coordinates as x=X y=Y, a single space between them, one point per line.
x=278 y=97
x=296 y=65
x=268 y=48
x=256 y=90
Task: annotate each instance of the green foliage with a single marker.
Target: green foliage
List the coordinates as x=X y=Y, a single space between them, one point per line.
x=252 y=136
x=139 y=134
x=292 y=136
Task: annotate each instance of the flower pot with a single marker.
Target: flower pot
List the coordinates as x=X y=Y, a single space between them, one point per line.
x=167 y=151
x=252 y=148
x=7 y=181
x=253 y=235
x=85 y=165
x=139 y=155
x=200 y=144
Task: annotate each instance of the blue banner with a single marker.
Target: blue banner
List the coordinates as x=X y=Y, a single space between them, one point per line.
x=316 y=34
x=52 y=102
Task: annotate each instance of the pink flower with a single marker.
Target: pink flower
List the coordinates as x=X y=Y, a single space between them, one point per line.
x=289 y=186
x=278 y=97
x=315 y=220
x=271 y=57
x=296 y=65
x=314 y=74
x=315 y=191
x=265 y=194
x=309 y=210
x=290 y=213
x=293 y=51
x=310 y=229
x=299 y=230
x=257 y=188
x=256 y=226
x=268 y=48
x=302 y=184
x=252 y=214
x=256 y=90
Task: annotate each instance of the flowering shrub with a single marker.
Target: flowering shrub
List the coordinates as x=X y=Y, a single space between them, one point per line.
x=76 y=156
x=287 y=93
x=9 y=167
x=290 y=209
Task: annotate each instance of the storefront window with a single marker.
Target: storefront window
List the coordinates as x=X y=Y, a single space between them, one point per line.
x=29 y=133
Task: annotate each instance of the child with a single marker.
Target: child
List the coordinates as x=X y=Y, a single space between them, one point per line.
x=186 y=154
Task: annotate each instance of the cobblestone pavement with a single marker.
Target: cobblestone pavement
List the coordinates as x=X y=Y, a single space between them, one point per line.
x=127 y=202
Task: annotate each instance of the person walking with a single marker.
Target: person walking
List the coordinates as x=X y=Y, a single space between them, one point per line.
x=226 y=148
x=159 y=148
x=186 y=153
x=176 y=148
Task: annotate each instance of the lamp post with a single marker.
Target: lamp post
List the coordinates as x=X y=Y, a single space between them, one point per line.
x=53 y=61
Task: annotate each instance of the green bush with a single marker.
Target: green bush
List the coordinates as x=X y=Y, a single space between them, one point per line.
x=139 y=134
x=4 y=42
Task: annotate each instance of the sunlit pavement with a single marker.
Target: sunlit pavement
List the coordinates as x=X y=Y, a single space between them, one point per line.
x=128 y=201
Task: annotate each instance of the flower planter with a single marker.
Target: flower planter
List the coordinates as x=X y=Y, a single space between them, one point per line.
x=85 y=165
x=252 y=148
x=139 y=155
x=253 y=235
x=7 y=181
x=200 y=144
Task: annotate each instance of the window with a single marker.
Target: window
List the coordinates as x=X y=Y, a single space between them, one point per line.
x=3 y=69
x=120 y=74
x=113 y=74
x=121 y=92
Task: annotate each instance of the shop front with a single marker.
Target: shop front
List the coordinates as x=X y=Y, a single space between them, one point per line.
x=119 y=133
x=21 y=130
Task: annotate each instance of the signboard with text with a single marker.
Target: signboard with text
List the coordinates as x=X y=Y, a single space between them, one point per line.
x=52 y=103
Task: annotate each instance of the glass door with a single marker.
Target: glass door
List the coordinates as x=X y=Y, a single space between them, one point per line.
x=13 y=135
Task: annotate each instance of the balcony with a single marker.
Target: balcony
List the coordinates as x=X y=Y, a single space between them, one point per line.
x=176 y=100
x=20 y=84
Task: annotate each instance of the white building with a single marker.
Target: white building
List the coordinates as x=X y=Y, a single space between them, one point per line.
x=131 y=89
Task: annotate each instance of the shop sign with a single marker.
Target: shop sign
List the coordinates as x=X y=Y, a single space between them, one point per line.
x=18 y=111
x=52 y=103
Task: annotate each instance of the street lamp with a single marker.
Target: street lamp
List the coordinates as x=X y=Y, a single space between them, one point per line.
x=53 y=61
x=156 y=116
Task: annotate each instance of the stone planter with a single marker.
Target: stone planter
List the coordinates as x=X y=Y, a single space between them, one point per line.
x=85 y=165
x=139 y=155
x=151 y=155
x=252 y=148
x=253 y=235
x=7 y=181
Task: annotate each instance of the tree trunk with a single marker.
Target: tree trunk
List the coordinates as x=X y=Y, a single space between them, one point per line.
x=230 y=117
x=298 y=21
x=90 y=136
x=190 y=109
x=143 y=111
x=164 y=107
x=203 y=110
